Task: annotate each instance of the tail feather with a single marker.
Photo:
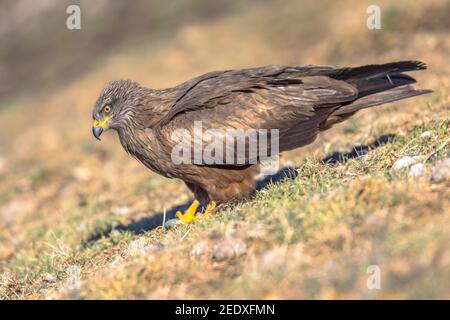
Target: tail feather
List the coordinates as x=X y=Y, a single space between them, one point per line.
x=382 y=97
x=376 y=84
x=380 y=84
x=378 y=70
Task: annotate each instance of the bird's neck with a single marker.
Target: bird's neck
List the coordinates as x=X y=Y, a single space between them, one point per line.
x=153 y=106
x=129 y=138
x=144 y=146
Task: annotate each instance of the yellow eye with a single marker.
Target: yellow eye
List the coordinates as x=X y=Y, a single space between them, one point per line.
x=106 y=109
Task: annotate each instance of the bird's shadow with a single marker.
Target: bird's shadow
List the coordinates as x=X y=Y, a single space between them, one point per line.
x=358 y=151
x=288 y=172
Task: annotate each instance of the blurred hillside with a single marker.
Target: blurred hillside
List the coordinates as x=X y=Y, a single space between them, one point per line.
x=38 y=52
x=74 y=210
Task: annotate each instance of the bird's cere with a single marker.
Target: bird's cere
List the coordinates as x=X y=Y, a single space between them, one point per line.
x=98 y=127
x=103 y=124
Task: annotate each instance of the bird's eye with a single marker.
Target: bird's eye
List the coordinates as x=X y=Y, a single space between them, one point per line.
x=106 y=109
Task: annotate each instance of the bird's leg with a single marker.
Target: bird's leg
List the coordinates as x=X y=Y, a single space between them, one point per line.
x=209 y=209
x=189 y=214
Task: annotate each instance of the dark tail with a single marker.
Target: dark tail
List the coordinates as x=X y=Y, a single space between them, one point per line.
x=377 y=84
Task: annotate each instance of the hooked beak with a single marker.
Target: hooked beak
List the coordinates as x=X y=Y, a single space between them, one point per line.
x=98 y=127
x=97 y=132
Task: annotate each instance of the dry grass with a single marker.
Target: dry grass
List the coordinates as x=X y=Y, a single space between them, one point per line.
x=76 y=215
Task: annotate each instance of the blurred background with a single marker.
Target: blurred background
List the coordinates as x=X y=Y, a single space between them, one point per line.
x=58 y=182
x=40 y=54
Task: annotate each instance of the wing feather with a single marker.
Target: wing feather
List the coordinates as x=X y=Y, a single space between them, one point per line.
x=292 y=100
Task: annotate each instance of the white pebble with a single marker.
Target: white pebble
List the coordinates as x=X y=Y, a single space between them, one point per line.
x=121 y=211
x=417 y=170
x=426 y=134
x=405 y=162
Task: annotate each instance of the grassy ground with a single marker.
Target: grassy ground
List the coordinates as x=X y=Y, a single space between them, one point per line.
x=80 y=219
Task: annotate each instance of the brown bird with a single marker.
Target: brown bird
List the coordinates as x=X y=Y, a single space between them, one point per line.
x=292 y=103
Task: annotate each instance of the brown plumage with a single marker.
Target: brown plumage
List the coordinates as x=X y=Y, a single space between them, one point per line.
x=299 y=101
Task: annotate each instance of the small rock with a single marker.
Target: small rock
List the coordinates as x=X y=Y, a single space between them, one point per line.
x=172 y=223
x=228 y=249
x=426 y=134
x=417 y=170
x=441 y=171
x=405 y=162
x=121 y=211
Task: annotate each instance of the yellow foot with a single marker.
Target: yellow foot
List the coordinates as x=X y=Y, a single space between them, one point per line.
x=189 y=214
x=209 y=209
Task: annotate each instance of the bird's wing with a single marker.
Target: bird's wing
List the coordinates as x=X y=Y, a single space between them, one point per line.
x=292 y=100
x=202 y=92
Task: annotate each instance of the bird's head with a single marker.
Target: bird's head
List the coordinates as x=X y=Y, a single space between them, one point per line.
x=115 y=106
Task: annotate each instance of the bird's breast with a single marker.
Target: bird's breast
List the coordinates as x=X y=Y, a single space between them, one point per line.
x=144 y=147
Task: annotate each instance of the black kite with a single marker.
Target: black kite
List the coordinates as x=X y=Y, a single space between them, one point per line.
x=298 y=101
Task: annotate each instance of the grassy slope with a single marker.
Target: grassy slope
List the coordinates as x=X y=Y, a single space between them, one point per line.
x=308 y=237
